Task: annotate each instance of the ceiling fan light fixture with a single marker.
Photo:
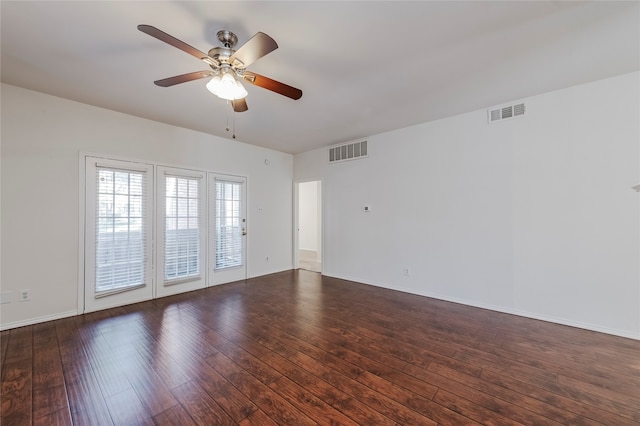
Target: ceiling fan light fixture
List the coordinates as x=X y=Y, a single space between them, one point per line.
x=226 y=86
x=228 y=66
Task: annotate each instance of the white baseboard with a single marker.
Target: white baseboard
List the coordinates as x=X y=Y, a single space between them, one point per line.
x=505 y=310
x=38 y=320
x=265 y=273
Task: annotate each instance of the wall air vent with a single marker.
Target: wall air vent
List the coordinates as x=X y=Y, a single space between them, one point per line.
x=506 y=112
x=348 y=151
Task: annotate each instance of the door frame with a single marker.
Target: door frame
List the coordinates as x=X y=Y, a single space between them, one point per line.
x=235 y=273
x=296 y=221
x=126 y=295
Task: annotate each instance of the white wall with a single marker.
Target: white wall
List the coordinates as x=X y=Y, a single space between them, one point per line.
x=42 y=137
x=308 y=215
x=533 y=216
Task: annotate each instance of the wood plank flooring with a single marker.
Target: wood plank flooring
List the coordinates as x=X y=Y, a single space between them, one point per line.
x=296 y=348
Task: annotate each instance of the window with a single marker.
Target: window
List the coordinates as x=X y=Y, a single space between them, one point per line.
x=120 y=230
x=229 y=224
x=118 y=238
x=182 y=228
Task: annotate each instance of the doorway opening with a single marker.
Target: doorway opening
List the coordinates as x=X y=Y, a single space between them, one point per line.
x=308 y=244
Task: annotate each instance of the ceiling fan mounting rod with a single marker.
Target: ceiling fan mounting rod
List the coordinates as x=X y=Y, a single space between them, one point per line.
x=227 y=38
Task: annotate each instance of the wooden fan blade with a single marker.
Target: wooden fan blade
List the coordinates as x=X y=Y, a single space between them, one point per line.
x=162 y=36
x=255 y=48
x=274 y=86
x=239 y=105
x=171 y=81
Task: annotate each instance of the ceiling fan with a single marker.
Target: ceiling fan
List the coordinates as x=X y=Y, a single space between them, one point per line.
x=228 y=66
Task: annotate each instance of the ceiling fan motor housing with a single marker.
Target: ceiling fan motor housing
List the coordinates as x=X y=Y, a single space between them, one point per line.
x=221 y=54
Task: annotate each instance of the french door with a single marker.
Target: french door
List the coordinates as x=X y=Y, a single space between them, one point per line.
x=228 y=229
x=118 y=233
x=181 y=230
x=191 y=236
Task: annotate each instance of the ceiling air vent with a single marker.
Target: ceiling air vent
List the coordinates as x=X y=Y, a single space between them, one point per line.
x=506 y=112
x=349 y=151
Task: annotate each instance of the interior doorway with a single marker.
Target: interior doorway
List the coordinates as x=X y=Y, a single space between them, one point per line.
x=308 y=247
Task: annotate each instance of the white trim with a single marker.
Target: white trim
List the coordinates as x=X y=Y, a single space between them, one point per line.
x=81 y=228
x=296 y=226
x=501 y=309
x=275 y=271
x=116 y=304
x=296 y=222
x=37 y=320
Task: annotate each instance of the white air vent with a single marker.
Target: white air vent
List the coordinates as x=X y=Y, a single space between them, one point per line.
x=506 y=112
x=349 y=151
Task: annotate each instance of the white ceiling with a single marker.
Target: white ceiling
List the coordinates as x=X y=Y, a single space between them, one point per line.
x=364 y=67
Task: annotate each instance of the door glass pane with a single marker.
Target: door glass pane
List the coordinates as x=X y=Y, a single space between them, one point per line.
x=182 y=228
x=228 y=224
x=120 y=238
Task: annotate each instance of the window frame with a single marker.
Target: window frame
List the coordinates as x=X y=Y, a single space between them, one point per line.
x=187 y=283
x=93 y=298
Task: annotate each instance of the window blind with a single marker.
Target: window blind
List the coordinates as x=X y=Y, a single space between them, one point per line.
x=121 y=230
x=228 y=224
x=182 y=228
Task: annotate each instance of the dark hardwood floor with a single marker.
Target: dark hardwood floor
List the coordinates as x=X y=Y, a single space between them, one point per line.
x=296 y=348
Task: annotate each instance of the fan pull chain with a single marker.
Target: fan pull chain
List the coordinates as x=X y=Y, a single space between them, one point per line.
x=234 y=124
x=233 y=119
x=227 y=114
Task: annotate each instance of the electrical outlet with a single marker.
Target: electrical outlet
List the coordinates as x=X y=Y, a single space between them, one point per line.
x=24 y=295
x=405 y=272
